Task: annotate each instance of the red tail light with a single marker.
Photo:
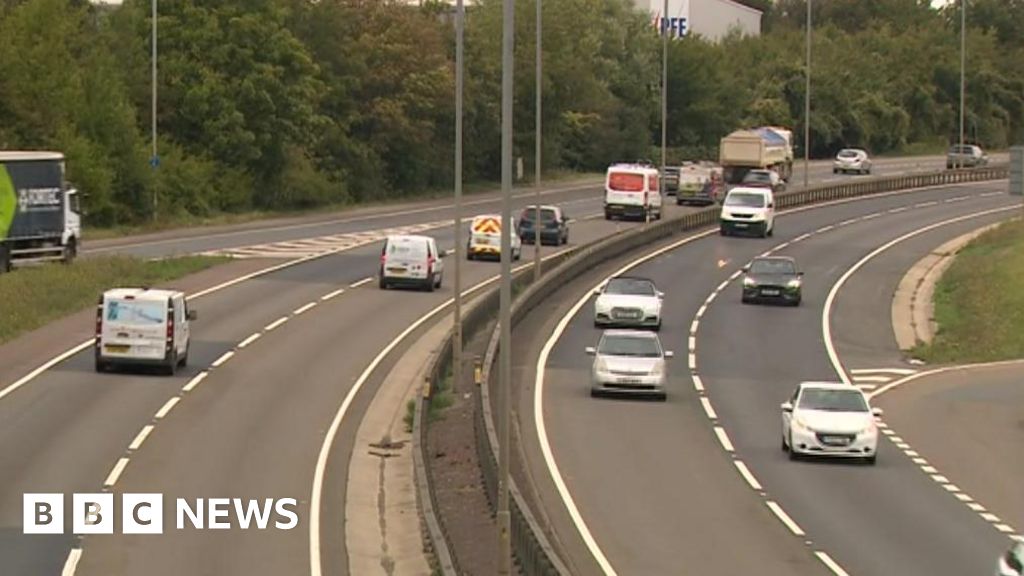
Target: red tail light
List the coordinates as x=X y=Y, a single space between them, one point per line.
x=430 y=265
x=170 y=328
x=99 y=321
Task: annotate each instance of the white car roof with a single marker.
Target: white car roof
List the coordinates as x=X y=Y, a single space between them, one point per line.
x=407 y=238
x=140 y=294
x=828 y=385
x=751 y=190
x=626 y=332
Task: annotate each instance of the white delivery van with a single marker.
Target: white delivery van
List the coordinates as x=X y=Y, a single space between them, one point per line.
x=748 y=210
x=140 y=326
x=410 y=260
x=632 y=191
x=485 y=239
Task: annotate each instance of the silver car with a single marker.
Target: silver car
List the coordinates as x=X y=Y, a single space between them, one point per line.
x=629 y=362
x=852 y=160
x=966 y=156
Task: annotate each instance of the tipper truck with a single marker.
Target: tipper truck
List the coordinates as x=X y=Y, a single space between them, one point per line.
x=765 y=148
x=39 y=214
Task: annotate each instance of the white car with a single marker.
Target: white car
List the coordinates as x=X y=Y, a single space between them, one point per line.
x=852 y=160
x=629 y=362
x=628 y=301
x=829 y=419
x=411 y=261
x=142 y=327
x=748 y=210
x=1012 y=563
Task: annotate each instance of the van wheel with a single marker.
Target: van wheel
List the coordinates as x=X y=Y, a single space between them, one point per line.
x=183 y=361
x=172 y=366
x=102 y=366
x=431 y=284
x=383 y=283
x=70 y=250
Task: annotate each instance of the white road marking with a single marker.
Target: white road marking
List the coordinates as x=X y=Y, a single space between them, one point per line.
x=899 y=209
x=708 y=409
x=940 y=478
x=951 y=488
x=115 y=474
x=990 y=517
x=824 y=229
x=929 y=469
x=223 y=358
x=782 y=246
x=800 y=238
x=902 y=445
x=847 y=222
x=698 y=385
x=141 y=437
x=302 y=309
x=976 y=507
x=781 y=514
x=71 y=564
x=723 y=438
x=275 y=323
x=692 y=343
x=832 y=565
x=912 y=453
x=747 y=475
x=694 y=326
x=167 y=407
x=195 y=381
x=887 y=431
x=723 y=286
x=877 y=379
x=702 y=310
x=252 y=338
x=330 y=295
x=900 y=371
x=361 y=282
x=896 y=439
x=964 y=497
x=46 y=366
x=867 y=387
x=692 y=361
x=1005 y=528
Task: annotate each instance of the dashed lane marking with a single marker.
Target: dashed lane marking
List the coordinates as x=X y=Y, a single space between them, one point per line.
x=708 y=409
x=141 y=437
x=252 y=338
x=223 y=358
x=71 y=564
x=302 y=309
x=781 y=514
x=723 y=438
x=832 y=565
x=167 y=407
x=362 y=282
x=195 y=381
x=115 y=474
x=748 y=475
x=331 y=295
x=275 y=324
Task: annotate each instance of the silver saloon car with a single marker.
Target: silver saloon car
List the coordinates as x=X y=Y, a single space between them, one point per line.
x=629 y=362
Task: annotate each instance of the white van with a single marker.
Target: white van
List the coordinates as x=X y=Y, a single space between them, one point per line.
x=632 y=191
x=411 y=261
x=750 y=210
x=485 y=239
x=140 y=326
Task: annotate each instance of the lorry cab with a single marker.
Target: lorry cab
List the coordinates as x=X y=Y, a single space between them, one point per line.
x=485 y=238
x=411 y=260
x=143 y=327
x=632 y=191
x=748 y=210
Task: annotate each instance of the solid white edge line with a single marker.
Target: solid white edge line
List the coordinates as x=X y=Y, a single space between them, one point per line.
x=252 y=338
x=223 y=358
x=708 y=409
x=115 y=473
x=723 y=439
x=944 y=369
x=691 y=343
x=275 y=323
x=694 y=326
x=141 y=437
x=302 y=309
x=361 y=282
x=166 y=408
x=875 y=379
x=826 y=312
x=781 y=514
x=330 y=295
x=46 y=366
x=900 y=371
x=71 y=564
x=195 y=381
x=832 y=565
x=747 y=475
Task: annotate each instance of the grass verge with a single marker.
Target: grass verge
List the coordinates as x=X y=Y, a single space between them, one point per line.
x=979 y=301
x=33 y=296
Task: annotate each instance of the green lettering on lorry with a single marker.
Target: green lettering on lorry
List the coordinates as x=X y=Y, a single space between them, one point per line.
x=8 y=202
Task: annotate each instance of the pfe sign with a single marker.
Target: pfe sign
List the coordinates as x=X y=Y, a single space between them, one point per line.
x=677 y=27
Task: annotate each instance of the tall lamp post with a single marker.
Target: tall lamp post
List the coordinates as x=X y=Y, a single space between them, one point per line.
x=807 y=103
x=537 y=153
x=963 y=65
x=664 y=99
x=457 y=314
x=154 y=159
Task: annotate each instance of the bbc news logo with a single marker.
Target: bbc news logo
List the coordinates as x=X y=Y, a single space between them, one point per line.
x=144 y=514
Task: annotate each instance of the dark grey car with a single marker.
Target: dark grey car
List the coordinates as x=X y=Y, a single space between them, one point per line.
x=772 y=278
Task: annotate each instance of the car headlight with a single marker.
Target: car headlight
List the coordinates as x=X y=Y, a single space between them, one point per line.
x=757 y=217
x=600 y=365
x=801 y=424
x=794 y=283
x=749 y=282
x=658 y=369
x=870 y=428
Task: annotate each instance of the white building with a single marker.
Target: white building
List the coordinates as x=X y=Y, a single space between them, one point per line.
x=711 y=19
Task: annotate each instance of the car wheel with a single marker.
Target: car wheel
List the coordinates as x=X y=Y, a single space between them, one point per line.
x=172 y=364
x=431 y=284
x=440 y=279
x=764 y=231
x=607 y=216
x=744 y=300
x=793 y=455
x=102 y=366
x=70 y=250
x=771 y=230
x=595 y=393
x=383 y=283
x=723 y=231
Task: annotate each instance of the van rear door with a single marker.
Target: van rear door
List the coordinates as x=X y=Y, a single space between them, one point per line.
x=406 y=258
x=134 y=328
x=625 y=188
x=486 y=233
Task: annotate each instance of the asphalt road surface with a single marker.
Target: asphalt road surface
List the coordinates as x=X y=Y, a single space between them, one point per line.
x=660 y=492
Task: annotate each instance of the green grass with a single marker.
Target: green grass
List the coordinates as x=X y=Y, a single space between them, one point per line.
x=979 y=302
x=34 y=296
x=222 y=219
x=442 y=397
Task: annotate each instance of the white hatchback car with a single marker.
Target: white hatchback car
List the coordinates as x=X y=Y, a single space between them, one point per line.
x=852 y=160
x=829 y=419
x=627 y=301
x=629 y=362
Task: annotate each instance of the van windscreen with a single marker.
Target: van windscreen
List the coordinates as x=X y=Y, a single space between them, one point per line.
x=135 y=312
x=626 y=182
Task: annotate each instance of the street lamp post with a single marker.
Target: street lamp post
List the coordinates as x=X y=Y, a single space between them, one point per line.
x=504 y=518
x=664 y=100
x=154 y=160
x=537 y=153
x=807 y=103
x=963 y=64
x=457 y=320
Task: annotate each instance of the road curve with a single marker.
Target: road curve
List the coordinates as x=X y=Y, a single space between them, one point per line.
x=613 y=454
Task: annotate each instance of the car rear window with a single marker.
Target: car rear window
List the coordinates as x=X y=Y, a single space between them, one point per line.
x=546 y=214
x=135 y=312
x=848 y=154
x=626 y=182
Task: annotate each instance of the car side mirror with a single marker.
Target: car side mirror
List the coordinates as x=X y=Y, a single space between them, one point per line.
x=591 y=350
x=597 y=291
x=800 y=273
x=661 y=294
x=786 y=406
x=192 y=316
x=669 y=354
x=877 y=411
x=745 y=269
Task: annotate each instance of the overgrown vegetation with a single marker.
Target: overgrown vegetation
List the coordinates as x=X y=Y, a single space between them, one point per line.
x=271 y=105
x=38 y=295
x=979 y=304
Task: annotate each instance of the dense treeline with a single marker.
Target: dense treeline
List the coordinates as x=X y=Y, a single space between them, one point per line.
x=283 y=104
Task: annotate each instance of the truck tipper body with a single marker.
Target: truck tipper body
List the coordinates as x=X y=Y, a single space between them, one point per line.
x=39 y=217
x=766 y=148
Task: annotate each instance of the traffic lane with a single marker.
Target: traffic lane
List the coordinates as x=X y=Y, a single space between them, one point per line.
x=886 y=519
x=967 y=423
x=64 y=431
x=254 y=429
x=641 y=472
x=862 y=312
x=578 y=196
x=704 y=264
